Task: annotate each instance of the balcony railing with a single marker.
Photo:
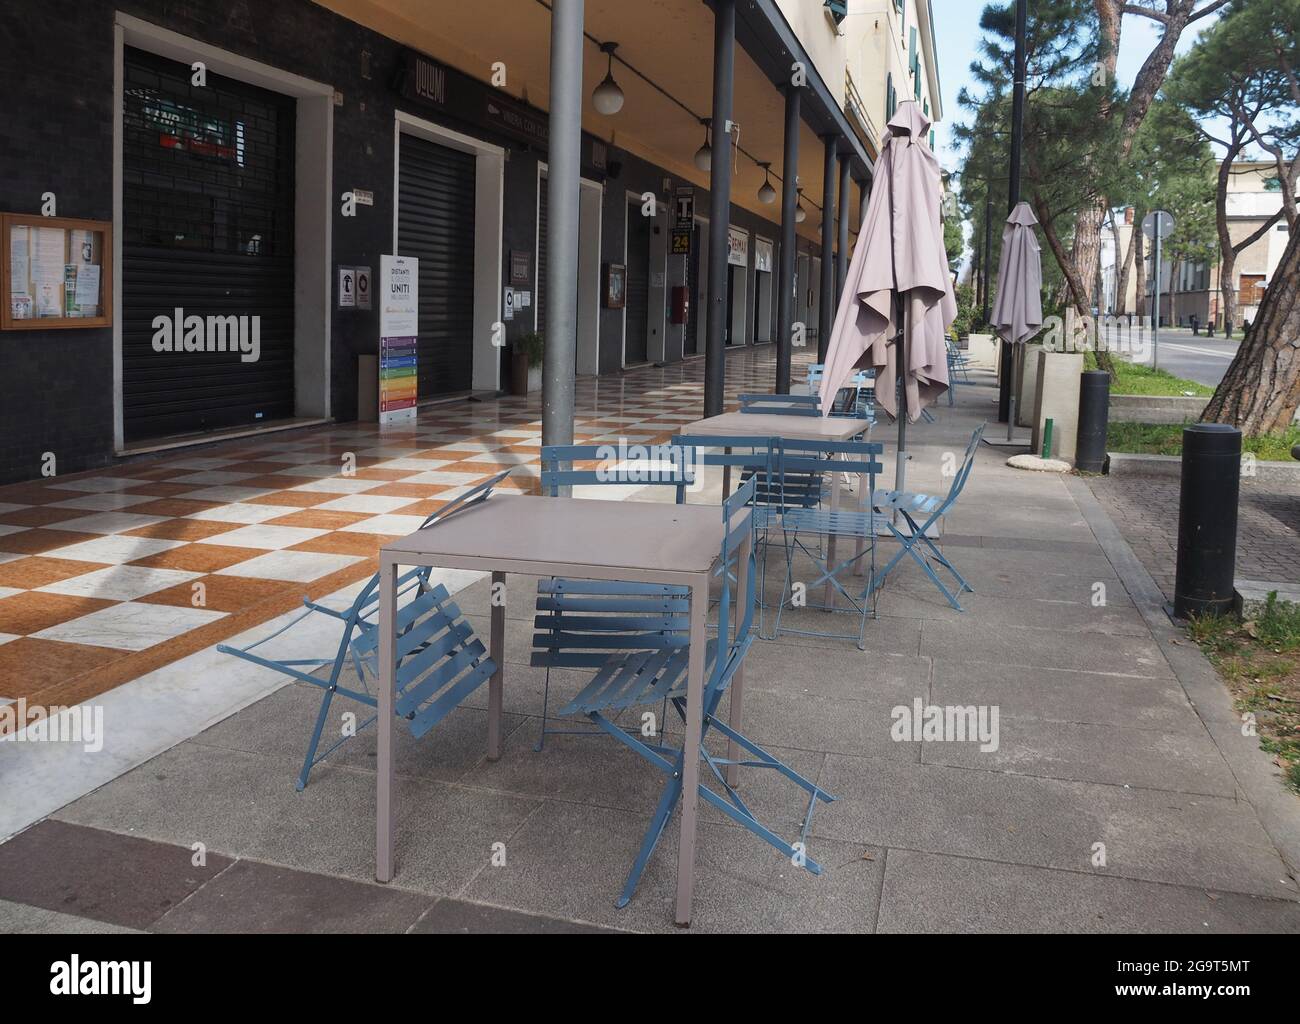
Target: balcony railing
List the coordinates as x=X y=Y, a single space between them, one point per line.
x=854 y=106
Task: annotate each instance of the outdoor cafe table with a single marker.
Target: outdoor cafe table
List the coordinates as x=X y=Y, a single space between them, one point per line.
x=793 y=428
x=633 y=541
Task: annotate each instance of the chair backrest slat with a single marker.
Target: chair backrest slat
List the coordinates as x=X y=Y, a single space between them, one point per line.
x=664 y=465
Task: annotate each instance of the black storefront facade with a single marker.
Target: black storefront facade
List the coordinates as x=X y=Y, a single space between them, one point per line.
x=244 y=154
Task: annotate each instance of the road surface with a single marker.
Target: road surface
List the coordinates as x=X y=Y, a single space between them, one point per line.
x=1192 y=357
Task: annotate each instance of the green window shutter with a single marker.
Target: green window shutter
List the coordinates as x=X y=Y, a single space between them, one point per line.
x=926 y=108
x=911 y=51
x=889 y=96
x=931 y=139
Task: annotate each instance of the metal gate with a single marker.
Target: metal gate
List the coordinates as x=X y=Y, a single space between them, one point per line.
x=208 y=232
x=435 y=224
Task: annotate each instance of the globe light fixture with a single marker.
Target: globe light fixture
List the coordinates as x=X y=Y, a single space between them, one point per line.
x=766 y=194
x=799 y=212
x=607 y=97
x=704 y=155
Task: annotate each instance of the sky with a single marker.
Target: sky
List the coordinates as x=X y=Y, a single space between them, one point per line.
x=956 y=25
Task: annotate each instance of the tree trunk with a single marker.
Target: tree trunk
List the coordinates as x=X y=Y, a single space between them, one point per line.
x=1121 y=277
x=1261 y=390
x=1174 y=266
x=1227 y=270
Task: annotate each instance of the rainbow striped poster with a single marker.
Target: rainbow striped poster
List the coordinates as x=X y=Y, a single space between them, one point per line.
x=399 y=314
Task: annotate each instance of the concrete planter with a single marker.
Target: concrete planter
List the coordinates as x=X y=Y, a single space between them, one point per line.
x=1155 y=408
x=1056 y=397
x=1170 y=467
x=1029 y=366
x=982 y=350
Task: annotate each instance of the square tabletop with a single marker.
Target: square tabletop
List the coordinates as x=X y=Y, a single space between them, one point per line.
x=593 y=538
x=797 y=428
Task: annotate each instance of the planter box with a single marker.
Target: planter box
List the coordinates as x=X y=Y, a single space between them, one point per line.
x=1056 y=397
x=982 y=350
x=1171 y=467
x=1155 y=408
x=1029 y=367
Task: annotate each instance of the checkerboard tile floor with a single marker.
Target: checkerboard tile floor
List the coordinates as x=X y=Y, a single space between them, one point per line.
x=109 y=574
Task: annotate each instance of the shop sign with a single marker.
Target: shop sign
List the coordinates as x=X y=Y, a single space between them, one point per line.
x=737 y=247
x=763 y=255
x=683 y=220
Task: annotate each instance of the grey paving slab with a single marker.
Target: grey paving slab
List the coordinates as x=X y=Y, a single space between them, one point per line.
x=245 y=805
x=280 y=725
x=1063 y=695
x=926 y=892
x=1033 y=648
x=842 y=673
x=1149 y=834
x=1179 y=762
x=595 y=769
x=98 y=874
x=995 y=612
x=462 y=917
x=814 y=723
x=1056 y=563
x=251 y=897
x=21 y=919
x=571 y=860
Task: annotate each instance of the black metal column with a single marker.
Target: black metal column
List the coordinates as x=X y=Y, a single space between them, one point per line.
x=1013 y=189
x=842 y=256
x=724 y=61
x=826 y=306
x=785 y=283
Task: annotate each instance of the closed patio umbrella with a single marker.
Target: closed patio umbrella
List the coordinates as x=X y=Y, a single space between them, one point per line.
x=898 y=301
x=1018 y=308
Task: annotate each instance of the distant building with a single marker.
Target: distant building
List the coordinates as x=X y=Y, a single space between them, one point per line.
x=1192 y=289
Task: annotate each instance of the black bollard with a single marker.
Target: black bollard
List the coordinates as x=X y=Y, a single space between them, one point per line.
x=1207 y=520
x=1094 y=412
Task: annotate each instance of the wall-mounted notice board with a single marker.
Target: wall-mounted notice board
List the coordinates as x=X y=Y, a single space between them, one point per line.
x=55 y=272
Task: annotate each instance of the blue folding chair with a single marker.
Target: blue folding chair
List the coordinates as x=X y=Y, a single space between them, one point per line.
x=440 y=660
x=856 y=398
x=580 y=623
x=917 y=543
x=861 y=526
x=640 y=678
x=772 y=497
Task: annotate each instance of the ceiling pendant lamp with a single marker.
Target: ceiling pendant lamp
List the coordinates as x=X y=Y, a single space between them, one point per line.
x=799 y=213
x=704 y=155
x=607 y=97
x=766 y=194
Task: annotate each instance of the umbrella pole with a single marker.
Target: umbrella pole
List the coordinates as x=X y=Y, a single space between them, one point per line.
x=1015 y=391
x=900 y=465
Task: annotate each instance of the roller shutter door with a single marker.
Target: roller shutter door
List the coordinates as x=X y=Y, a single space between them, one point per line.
x=637 y=304
x=208 y=198
x=435 y=224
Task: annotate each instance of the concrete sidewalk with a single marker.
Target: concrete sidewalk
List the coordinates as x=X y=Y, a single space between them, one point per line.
x=1117 y=798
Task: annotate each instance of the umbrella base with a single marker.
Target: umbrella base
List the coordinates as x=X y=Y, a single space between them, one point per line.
x=1002 y=442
